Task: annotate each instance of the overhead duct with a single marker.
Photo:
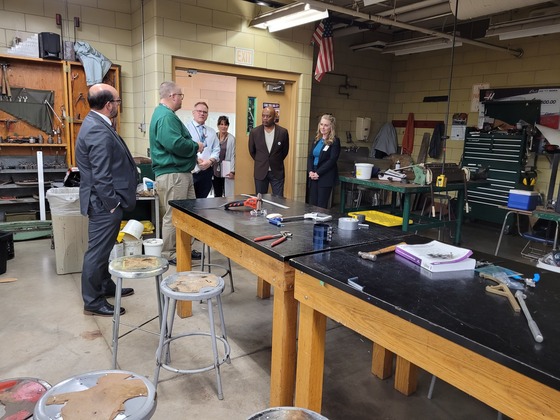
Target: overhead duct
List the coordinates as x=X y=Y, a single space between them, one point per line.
x=429 y=32
x=469 y=9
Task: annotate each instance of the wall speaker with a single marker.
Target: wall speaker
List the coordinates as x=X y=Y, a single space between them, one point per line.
x=49 y=45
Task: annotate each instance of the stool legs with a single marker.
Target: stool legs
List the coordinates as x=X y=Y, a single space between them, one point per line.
x=116 y=320
x=209 y=265
x=117 y=314
x=166 y=337
x=215 y=350
x=162 y=338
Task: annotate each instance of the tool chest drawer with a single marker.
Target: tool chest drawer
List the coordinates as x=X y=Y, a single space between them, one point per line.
x=504 y=155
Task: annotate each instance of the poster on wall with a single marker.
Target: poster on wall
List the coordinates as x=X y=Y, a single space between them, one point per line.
x=276 y=109
x=251 y=111
x=548 y=95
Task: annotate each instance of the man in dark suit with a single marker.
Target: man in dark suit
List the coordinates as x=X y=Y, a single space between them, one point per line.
x=108 y=179
x=268 y=146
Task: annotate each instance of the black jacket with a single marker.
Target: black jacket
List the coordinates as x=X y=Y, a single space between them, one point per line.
x=327 y=168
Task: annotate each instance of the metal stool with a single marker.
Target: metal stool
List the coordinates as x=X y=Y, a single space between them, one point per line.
x=134 y=267
x=19 y=396
x=191 y=286
x=208 y=266
x=137 y=396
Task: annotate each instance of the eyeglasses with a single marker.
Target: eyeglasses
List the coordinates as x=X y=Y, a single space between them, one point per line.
x=201 y=111
x=182 y=95
x=119 y=101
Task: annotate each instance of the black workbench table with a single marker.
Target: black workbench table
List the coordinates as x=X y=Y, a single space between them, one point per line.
x=242 y=226
x=454 y=306
x=232 y=233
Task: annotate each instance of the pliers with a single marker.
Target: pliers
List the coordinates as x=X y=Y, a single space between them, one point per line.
x=283 y=235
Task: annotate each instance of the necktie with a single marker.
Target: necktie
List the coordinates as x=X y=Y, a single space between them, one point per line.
x=201 y=132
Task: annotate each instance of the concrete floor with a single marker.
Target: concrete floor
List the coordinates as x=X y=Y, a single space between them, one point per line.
x=45 y=335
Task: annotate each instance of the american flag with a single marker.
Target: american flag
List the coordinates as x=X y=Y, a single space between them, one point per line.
x=323 y=36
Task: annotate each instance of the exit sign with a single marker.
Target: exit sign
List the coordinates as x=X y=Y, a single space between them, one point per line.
x=244 y=56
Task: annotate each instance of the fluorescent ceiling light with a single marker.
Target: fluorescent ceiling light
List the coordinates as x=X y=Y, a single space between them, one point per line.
x=525 y=27
x=375 y=45
x=370 y=2
x=289 y=16
x=419 y=45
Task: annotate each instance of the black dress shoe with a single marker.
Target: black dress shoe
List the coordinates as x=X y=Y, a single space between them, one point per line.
x=195 y=255
x=105 y=310
x=126 y=291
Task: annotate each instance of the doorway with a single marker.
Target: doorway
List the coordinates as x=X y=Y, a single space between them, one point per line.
x=250 y=99
x=249 y=83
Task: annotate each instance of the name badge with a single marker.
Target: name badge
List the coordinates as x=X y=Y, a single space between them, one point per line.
x=326 y=148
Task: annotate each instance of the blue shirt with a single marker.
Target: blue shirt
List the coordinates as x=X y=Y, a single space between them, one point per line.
x=317 y=151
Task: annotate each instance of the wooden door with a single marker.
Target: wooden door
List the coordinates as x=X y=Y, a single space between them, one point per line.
x=252 y=90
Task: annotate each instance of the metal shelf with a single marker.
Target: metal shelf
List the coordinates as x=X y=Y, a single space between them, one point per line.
x=19 y=171
x=33 y=144
x=29 y=200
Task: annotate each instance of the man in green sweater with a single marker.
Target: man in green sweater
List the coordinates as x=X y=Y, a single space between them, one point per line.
x=174 y=154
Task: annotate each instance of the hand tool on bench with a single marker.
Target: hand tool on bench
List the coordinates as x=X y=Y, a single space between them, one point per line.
x=283 y=235
x=251 y=202
x=502 y=290
x=316 y=216
x=267 y=201
x=532 y=324
x=372 y=255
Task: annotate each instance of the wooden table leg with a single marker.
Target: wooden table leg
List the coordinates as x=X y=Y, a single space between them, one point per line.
x=382 y=362
x=184 y=263
x=310 y=358
x=406 y=376
x=283 y=364
x=263 y=288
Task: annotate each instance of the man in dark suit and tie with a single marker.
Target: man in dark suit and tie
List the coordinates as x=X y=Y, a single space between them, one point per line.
x=108 y=179
x=268 y=146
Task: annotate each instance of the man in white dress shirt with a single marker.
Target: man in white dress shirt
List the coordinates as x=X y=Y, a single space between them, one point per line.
x=200 y=132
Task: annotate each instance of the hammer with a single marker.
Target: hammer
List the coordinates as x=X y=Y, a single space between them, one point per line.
x=372 y=256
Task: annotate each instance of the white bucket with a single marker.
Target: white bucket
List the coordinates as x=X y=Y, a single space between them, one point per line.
x=134 y=228
x=363 y=170
x=153 y=247
x=132 y=248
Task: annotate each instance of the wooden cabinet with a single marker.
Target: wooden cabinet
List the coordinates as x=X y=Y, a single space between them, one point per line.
x=28 y=124
x=77 y=97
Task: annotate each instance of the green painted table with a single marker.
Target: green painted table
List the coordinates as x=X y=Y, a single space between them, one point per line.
x=408 y=190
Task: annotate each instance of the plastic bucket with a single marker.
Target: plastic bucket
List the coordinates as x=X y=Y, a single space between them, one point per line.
x=132 y=248
x=153 y=247
x=134 y=228
x=363 y=170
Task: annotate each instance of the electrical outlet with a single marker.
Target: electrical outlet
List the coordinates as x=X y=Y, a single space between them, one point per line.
x=148 y=152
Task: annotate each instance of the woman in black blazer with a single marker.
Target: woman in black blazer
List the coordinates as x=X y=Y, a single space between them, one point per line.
x=321 y=162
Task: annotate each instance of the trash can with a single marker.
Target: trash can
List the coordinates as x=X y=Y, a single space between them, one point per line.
x=70 y=229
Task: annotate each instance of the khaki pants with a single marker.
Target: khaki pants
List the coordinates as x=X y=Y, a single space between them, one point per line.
x=175 y=186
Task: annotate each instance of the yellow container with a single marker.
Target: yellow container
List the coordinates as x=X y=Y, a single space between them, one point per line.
x=380 y=218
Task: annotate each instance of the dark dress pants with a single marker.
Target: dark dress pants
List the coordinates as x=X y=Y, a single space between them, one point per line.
x=219 y=184
x=203 y=183
x=319 y=196
x=103 y=229
x=261 y=185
